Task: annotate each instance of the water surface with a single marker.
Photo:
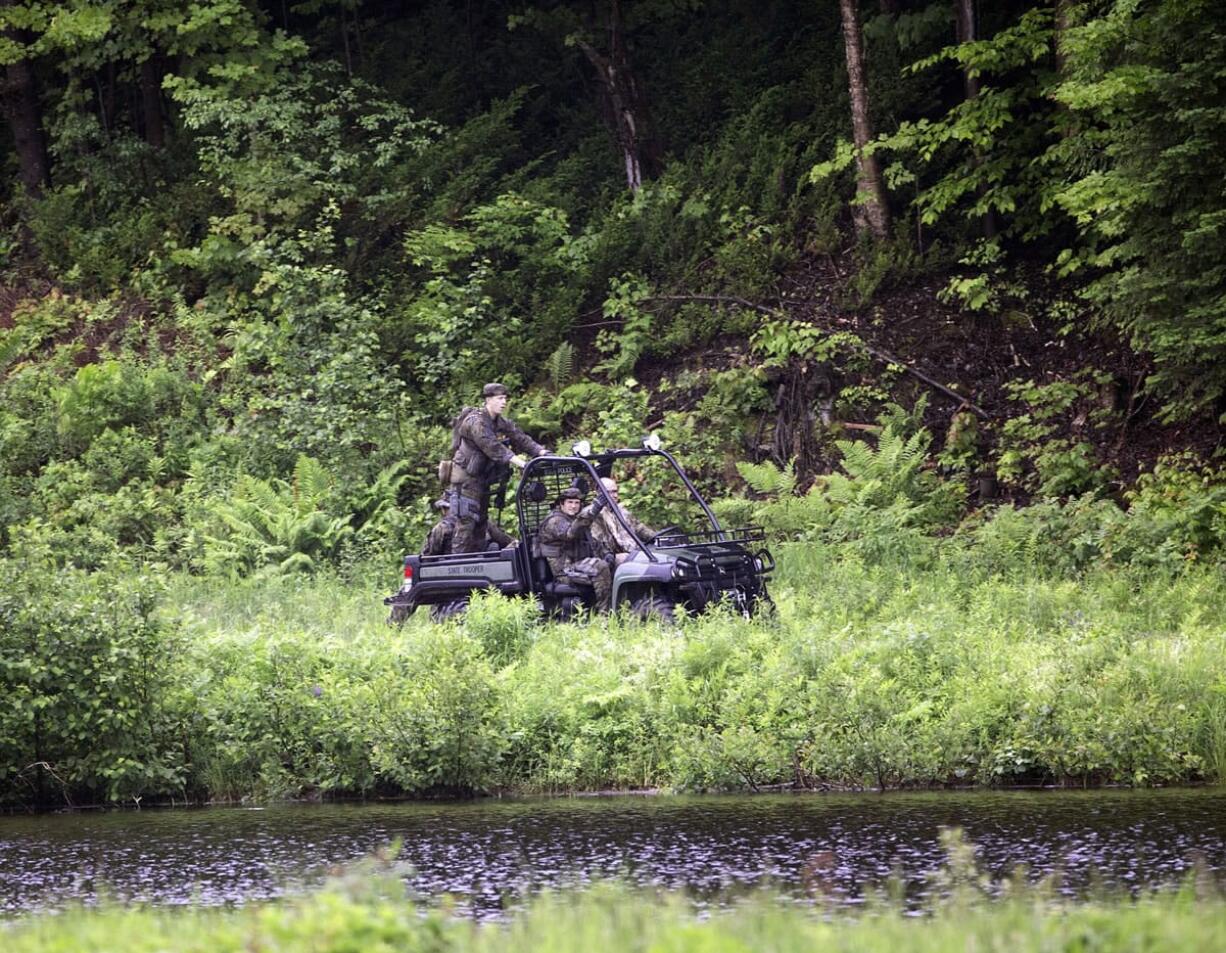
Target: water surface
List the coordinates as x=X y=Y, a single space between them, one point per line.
x=489 y=854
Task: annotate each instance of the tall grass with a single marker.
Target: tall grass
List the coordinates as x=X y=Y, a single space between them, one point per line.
x=365 y=919
x=866 y=676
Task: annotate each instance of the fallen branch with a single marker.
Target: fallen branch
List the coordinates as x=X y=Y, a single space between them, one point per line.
x=884 y=356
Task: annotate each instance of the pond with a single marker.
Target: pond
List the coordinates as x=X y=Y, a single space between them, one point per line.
x=488 y=854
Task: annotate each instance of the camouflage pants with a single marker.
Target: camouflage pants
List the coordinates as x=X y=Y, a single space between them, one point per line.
x=470 y=503
x=595 y=573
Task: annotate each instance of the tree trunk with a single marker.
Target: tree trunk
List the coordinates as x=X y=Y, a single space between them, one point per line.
x=19 y=100
x=964 y=24
x=626 y=105
x=871 y=210
x=1063 y=20
x=151 y=101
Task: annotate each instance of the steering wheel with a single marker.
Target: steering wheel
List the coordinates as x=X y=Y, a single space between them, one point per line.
x=668 y=531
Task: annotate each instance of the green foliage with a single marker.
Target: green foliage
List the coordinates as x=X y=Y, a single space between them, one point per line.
x=987 y=289
x=279 y=526
x=91 y=679
x=504 y=627
x=366 y=909
x=503 y=285
x=886 y=497
x=112 y=394
x=780 y=340
x=624 y=347
x=560 y=365
x=1144 y=83
x=1032 y=452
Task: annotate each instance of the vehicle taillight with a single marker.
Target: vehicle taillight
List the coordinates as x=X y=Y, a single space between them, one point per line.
x=408 y=571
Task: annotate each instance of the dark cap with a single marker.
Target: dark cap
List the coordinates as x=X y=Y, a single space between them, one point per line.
x=442 y=503
x=493 y=390
x=570 y=493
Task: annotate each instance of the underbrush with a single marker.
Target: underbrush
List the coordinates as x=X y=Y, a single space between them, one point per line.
x=364 y=914
x=869 y=674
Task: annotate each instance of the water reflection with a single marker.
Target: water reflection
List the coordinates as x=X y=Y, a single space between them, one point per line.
x=488 y=853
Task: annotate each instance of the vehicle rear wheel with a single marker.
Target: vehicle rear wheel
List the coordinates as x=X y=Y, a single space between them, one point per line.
x=448 y=610
x=399 y=614
x=654 y=607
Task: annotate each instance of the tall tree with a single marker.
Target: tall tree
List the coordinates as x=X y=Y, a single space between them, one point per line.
x=871 y=209
x=20 y=103
x=964 y=22
x=601 y=31
x=624 y=103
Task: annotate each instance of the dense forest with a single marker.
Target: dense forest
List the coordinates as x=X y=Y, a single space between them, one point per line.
x=888 y=276
x=256 y=255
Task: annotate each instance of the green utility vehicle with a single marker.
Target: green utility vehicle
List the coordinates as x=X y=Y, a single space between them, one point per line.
x=675 y=568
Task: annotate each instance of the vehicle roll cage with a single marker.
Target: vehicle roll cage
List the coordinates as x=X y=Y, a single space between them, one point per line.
x=601 y=464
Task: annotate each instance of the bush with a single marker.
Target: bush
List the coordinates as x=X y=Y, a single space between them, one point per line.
x=92 y=685
x=503 y=626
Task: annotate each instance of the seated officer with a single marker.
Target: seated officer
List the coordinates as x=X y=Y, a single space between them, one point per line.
x=439 y=541
x=608 y=532
x=567 y=546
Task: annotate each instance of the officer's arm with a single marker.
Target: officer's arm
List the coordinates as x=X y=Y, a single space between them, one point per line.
x=499 y=535
x=522 y=442
x=578 y=526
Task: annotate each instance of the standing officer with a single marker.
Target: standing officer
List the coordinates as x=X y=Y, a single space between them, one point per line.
x=484 y=444
x=567 y=546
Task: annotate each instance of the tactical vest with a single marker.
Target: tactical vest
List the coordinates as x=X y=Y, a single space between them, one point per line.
x=463 y=454
x=573 y=551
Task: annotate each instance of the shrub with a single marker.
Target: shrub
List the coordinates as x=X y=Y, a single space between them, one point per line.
x=91 y=682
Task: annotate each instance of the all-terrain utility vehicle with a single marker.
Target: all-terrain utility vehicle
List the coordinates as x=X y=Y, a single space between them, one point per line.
x=691 y=570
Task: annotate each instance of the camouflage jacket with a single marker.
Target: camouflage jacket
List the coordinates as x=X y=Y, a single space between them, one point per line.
x=609 y=534
x=564 y=539
x=486 y=440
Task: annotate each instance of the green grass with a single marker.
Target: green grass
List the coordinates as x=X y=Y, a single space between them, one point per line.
x=867 y=676
x=366 y=920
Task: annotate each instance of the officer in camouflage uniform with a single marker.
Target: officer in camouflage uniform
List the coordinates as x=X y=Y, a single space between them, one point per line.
x=485 y=445
x=438 y=542
x=563 y=539
x=609 y=534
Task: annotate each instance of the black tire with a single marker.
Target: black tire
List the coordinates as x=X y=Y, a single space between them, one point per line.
x=399 y=614
x=448 y=610
x=654 y=607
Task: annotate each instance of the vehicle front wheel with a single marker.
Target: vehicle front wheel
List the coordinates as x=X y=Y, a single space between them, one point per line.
x=654 y=607
x=448 y=610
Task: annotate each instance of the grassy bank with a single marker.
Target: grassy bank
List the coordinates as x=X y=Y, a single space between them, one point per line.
x=867 y=676
x=613 y=920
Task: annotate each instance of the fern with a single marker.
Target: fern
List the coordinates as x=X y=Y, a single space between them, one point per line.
x=312 y=483
x=275 y=526
x=560 y=365
x=768 y=479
